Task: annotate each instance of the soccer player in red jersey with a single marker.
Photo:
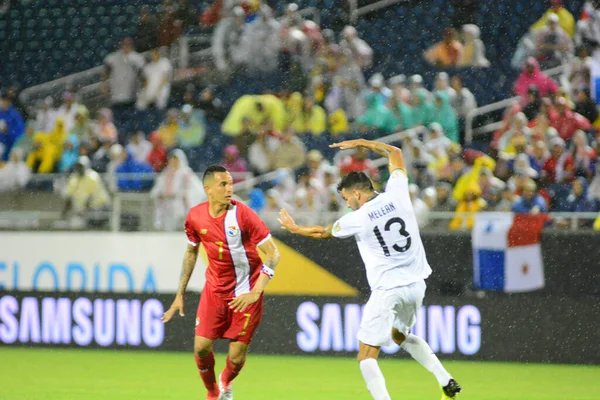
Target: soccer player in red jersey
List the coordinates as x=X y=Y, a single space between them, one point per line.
x=231 y=303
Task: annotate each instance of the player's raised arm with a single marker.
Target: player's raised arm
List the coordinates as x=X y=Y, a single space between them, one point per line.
x=189 y=262
x=314 y=231
x=392 y=153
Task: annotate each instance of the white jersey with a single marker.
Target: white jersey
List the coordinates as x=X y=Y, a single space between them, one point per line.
x=387 y=235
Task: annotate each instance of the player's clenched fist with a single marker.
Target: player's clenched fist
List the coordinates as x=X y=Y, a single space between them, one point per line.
x=176 y=306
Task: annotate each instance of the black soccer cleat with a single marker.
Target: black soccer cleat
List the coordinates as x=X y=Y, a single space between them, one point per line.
x=451 y=390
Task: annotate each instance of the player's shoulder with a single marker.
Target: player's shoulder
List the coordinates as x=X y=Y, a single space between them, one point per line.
x=199 y=209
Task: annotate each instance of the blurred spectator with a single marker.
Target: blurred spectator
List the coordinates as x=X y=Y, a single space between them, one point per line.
x=348 y=85
x=444 y=114
x=104 y=127
x=579 y=71
x=12 y=126
x=158 y=155
x=436 y=139
x=15 y=174
x=257 y=109
x=578 y=200
x=290 y=153
x=157 y=74
x=68 y=110
x=464 y=101
x=270 y=213
x=317 y=167
x=583 y=155
x=594 y=189
x=585 y=106
x=170 y=29
x=446 y=53
x=442 y=85
x=211 y=106
x=25 y=142
x=473 y=54
x=399 y=90
x=104 y=154
x=359 y=162
x=565 y=18
x=568 y=122
x=261 y=42
x=177 y=189
x=13 y=92
x=261 y=153
x=307 y=198
x=422 y=109
x=470 y=203
x=227 y=42
x=554 y=46
x=559 y=168
x=530 y=202
x=186 y=13
x=419 y=206
x=70 y=154
x=168 y=129
x=81 y=125
x=146 y=31
x=532 y=75
x=377 y=116
x=361 y=51
x=246 y=137
x=45 y=115
x=130 y=166
x=234 y=163
x=468 y=180
x=85 y=190
x=314 y=117
x=540 y=155
x=139 y=147
x=587 y=32
x=338 y=122
x=534 y=102
x=192 y=128
x=494 y=201
x=120 y=76
x=416 y=84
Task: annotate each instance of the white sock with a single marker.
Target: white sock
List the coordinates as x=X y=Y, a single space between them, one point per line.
x=420 y=351
x=374 y=379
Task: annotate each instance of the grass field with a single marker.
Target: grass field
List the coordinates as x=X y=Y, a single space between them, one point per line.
x=44 y=374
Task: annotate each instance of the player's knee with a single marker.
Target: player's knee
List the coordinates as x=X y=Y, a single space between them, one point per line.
x=202 y=350
x=398 y=337
x=238 y=358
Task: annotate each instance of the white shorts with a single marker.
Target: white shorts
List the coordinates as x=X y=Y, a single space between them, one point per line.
x=392 y=308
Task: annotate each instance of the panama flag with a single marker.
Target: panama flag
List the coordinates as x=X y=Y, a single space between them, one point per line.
x=507 y=255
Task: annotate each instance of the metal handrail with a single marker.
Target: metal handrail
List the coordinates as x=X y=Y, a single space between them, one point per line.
x=356 y=12
x=499 y=105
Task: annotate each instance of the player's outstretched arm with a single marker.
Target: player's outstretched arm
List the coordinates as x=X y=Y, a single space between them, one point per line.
x=189 y=262
x=392 y=153
x=314 y=231
x=270 y=261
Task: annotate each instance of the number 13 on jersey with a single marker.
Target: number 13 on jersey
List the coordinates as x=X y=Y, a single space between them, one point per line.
x=387 y=227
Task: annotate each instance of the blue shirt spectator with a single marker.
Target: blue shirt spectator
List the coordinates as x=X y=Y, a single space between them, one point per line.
x=531 y=202
x=131 y=166
x=12 y=126
x=578 y=200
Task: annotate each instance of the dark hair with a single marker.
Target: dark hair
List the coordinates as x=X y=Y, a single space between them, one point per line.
x=211 y=170
x=356 y=180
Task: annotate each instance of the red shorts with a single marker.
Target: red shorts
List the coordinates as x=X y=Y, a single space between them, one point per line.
x=215 y=320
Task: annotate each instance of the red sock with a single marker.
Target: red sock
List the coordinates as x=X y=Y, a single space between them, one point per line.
x=206 y=367
x=231 y=371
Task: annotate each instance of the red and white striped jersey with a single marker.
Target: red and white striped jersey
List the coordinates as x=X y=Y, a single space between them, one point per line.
x=230 y=242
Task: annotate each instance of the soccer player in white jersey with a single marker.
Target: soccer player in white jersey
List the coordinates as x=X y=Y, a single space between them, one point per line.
x=386 y=231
